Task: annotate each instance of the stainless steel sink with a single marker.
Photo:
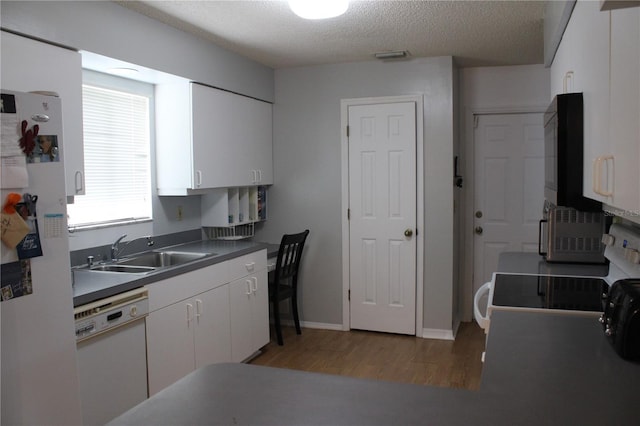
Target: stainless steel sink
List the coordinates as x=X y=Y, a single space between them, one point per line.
x=123 y=268
x=161 y=259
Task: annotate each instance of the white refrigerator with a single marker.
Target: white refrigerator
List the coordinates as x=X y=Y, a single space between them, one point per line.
x=38 y=348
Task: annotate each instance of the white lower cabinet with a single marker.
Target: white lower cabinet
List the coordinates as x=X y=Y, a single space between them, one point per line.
x=249 y=302
x=188 y=335
x=219 y=313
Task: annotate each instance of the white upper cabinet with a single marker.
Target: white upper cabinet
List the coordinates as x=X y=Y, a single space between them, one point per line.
x=600 y=56
x=209 y=138
x=621 y=158
x=582 y=65
x=29 y=65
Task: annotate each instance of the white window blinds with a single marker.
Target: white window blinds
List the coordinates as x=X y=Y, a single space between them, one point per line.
x=116 y=153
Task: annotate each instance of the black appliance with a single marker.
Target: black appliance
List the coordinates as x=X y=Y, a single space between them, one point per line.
x=563 y=293
x=563 y=151
x=621 y=318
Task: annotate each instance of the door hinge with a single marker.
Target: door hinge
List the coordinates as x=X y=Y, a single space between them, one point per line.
x=475 y=121
x=347 y=131
x=416 y=232
x=348 y=214
x=349 y=294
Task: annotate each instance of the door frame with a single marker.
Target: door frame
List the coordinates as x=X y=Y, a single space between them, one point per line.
x=466 y=254
x=344 y=153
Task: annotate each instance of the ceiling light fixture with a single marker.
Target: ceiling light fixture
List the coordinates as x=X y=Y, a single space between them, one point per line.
x=391 y=55
x=318 y=9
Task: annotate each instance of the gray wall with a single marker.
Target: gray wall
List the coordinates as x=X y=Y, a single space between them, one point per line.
x=307 y=169
x=111 y=30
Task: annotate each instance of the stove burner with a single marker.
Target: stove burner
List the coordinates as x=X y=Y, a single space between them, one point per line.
x=549 y=292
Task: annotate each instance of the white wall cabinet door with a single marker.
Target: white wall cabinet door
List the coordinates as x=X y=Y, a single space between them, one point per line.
x=623 y=157
x=587 y=46
x=249 y=303
x=29 y=65
x=232 y=138
x=581 y=64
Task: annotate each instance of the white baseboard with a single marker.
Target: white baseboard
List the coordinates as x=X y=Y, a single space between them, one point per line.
x=437 y=333
x=309 y=324
x=427 y=333
x=321 y=325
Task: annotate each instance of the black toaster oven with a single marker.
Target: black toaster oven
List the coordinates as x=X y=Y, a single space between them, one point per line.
x=621 y=318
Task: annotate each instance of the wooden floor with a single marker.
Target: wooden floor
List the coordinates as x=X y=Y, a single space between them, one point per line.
x=382 y=356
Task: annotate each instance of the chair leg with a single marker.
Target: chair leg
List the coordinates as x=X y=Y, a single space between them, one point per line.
x=296 y=319
x=276 y=317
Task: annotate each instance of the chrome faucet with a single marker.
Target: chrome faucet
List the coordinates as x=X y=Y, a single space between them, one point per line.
x=116 y=250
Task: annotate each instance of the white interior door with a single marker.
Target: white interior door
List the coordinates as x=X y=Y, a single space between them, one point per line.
x=382 y=202
x=508 y=189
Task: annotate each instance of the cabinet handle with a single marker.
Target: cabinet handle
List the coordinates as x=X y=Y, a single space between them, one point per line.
x=79 y=182
x=189 y=313
x=250 y=266
x=248 y=292
x=259 y=176
x=198 y=308
x=597 y=175
x=254 y=176
x=567 y=82
x=254 y=286
x=198 y=177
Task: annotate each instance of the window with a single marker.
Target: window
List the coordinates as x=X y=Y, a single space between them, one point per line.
x=117 y=127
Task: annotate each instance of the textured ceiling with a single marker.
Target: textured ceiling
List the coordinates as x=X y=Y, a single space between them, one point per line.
x=476 y=33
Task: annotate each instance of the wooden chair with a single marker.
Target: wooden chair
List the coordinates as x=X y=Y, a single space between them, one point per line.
x=283 y=281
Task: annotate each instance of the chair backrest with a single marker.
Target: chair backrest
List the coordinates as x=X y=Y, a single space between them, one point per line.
x=289 y=255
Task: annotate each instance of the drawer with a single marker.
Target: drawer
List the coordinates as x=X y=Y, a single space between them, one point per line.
x=171 y=290
x=245 y=265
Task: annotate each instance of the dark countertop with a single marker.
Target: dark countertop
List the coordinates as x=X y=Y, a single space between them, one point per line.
x=89 y=286
x=533 y=263
x=540 y=369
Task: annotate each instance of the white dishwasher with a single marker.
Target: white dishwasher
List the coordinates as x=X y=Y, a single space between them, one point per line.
x=112 y=355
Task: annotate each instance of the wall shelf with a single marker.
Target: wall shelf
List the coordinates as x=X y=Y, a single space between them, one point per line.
x=230 y=213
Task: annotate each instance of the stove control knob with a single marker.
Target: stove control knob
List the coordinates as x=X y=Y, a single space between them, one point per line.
x=601 y=319
x=608 y=332
x=133 y=312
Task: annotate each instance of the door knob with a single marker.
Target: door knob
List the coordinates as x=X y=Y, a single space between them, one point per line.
x=478 y=214
x=479 y=230
x=408 y=232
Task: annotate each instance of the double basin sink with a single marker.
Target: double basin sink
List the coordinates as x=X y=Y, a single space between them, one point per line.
x=150 y=261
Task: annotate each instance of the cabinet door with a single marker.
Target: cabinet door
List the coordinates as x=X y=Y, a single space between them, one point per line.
x=170 y=344
x=249 y=303
x=231 y=137
x=240 y=297
x=592 y=79
x=624 y=140
x=29 y=65
x=260 y=142
x=260 y=309
x=213 y=327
